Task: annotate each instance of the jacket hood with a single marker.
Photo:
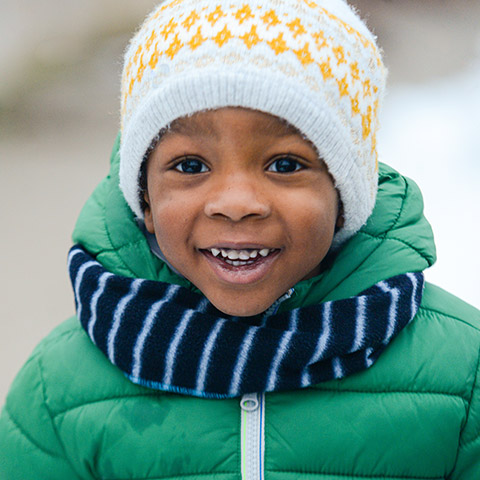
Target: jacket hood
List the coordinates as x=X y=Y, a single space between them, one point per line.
x=396 y=239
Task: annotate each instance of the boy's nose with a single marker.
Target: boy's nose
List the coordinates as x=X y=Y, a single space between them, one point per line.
x=237 y=199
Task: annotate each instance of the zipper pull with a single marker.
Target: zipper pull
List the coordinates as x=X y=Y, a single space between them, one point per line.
x=249 y=402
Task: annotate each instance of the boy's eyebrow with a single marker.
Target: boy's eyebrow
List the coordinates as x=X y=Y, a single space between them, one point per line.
x=281 y=128
x=191 y=126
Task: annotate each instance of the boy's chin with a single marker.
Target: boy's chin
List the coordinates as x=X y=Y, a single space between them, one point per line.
x=240 y=308
x=240 y=312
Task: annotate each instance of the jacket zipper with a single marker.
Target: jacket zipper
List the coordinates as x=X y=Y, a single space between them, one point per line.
x=253 y=435
x=253 y=422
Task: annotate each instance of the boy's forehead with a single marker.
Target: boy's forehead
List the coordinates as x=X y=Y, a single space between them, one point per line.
x=206 y=123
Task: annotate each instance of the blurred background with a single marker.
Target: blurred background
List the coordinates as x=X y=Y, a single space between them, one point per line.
x=60 y=65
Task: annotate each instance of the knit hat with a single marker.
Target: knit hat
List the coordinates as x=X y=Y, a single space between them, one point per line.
x=311 y=62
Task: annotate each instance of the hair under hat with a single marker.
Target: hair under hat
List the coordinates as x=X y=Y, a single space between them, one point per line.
x=311 y=62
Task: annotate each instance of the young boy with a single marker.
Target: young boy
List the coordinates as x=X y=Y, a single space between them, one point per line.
x=250 y=302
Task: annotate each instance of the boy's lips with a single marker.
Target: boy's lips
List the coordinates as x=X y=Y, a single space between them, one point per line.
x=240 y=265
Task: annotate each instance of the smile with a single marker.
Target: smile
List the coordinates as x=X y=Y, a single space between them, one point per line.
x=239 y=258
x=241 y=266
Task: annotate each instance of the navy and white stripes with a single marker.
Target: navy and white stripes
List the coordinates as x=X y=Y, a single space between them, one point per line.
x=169 y=338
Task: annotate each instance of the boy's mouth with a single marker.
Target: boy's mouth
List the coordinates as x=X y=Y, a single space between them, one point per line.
x=243 y=265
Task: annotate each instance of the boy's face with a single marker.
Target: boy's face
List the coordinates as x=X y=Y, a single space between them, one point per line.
x=240 y=205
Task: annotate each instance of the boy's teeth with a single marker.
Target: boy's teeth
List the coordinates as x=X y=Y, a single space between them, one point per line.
x=231 y=254
x=239 y=254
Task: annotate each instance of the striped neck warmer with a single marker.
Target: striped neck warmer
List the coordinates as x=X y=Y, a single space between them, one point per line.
x=169 y=338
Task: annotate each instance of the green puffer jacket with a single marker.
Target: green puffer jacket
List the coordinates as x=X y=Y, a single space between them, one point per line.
x=415 y=414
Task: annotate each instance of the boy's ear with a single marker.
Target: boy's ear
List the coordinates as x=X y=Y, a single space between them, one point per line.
x=340 y=218
x=148 y=217
x=340 y=222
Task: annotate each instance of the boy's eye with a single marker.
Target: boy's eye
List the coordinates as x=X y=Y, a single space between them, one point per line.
x=286 y=164
x=191 y=165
